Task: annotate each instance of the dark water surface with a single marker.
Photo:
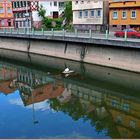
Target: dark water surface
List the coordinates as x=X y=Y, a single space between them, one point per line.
x=37 y=101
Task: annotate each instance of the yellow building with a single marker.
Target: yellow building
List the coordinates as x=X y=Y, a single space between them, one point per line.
x=125 y=114
x=124 y=14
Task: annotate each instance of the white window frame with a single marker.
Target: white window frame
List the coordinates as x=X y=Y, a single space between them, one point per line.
x=85 y=13
x=132 y=124
x=126 y=107
x=113 y=15
x=124 y=11
x=97 y=13
x=8 y=10
x=2 y=10
x=55 y=3
x=132 y=12
x=2 y=22
x=51 y=3
x=79 y=14
x=93 y=14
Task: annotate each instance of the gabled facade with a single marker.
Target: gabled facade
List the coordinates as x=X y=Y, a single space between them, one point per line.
x=22 y=13
x=90 y=14
x=124 y=14
x=6 y=14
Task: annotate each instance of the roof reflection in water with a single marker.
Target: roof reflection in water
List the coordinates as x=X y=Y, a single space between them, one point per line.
x=106 y=109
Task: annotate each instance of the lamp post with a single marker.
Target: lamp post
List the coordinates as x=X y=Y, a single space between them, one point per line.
x=34 y=119
x=26 y=16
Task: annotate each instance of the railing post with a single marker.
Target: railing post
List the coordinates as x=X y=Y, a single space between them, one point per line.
x=25 y=30
x=5 y=30
x=76 y=33
x=125 y=35
x=33 y=31
x=106 y=34
x=63 y=32
x=17 y=30
x=11 y=30
x=42 y=31
x=52 y=32
x=90 y=33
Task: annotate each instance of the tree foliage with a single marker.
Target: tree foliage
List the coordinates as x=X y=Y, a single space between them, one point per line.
x=48 y=23
x=41 y=11
x=68 y=11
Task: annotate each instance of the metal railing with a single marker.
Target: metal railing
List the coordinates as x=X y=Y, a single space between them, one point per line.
x=64 y=33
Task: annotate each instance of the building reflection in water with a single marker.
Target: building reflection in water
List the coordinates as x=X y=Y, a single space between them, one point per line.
x=106 y=110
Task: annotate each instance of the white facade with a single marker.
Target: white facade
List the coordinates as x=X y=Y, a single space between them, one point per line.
x=52 y=9
x=90 y=14
x=87 y=12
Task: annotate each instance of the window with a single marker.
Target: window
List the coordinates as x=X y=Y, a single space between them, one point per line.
x=50 y=3
x=92 y=13
x=132 y=124
x=82 y=2
x=13 y=6
x=8 y=10
x=23 y=14
x=21 y=3
x=114 y=103
x=55 y=3
x=2 y=22
x=123 y=14
x=125 y=107
x=61 y=4
x=24 y=3
x=115 y=15
x=19 y=15
x=80 y=14
x=133 y=14
x=1 y=10
x=18 y=4
x=94 y=98
x=98 y=13
x=114 y=26
x=86 y=13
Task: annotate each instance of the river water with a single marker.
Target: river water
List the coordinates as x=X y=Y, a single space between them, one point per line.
x=38 y=101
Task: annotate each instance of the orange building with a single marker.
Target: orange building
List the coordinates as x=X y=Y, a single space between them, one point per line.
x=5 y=87
x=6 y=14
x=42 y=93
x=124 y=14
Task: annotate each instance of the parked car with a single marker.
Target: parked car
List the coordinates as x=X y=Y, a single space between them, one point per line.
x=130 y=33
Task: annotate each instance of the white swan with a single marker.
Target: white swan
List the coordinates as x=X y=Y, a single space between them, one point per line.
x=67 y=71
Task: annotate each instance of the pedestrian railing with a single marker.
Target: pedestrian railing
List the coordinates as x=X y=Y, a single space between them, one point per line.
x=64 y=33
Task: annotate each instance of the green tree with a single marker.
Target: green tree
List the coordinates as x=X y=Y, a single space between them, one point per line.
x=41 y=12
x=45 y=20
x=68 y=11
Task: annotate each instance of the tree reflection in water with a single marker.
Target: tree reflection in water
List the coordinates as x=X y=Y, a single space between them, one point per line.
x=89 y=99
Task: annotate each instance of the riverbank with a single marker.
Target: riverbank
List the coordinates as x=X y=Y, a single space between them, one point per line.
x=117 y=57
